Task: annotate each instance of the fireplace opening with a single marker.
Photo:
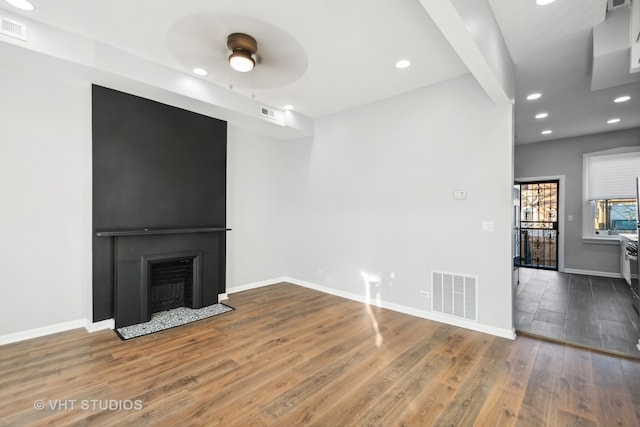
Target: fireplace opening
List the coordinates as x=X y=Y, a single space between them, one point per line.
x=171 y=284
x=169 y=281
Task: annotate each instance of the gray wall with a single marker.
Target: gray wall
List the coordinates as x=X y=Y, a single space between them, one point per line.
x=564 y=157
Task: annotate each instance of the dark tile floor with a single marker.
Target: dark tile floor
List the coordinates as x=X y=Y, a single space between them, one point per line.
x=585 y=310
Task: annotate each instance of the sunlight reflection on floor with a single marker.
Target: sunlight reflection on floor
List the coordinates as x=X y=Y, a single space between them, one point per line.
x=373 y=281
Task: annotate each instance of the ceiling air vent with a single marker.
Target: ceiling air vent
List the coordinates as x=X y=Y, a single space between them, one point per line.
x=12 y=28
x=273 y=115
x=270 y=114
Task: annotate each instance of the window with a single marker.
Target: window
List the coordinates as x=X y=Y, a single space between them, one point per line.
x=615 y=216
x=610 y=192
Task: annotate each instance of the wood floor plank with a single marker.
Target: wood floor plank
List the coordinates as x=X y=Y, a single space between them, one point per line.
x=502 y=408
x=364 y=388
x=631 y=371
x=479 y=387
x=289 y=356
x=570 y=419
x=577 y=389
x=540 y=403
x=367 y=360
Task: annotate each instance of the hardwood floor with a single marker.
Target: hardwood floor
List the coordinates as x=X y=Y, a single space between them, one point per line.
x=290 y=356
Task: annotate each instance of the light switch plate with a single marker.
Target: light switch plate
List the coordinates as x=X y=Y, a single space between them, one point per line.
x=487 y=226
x=459 y=194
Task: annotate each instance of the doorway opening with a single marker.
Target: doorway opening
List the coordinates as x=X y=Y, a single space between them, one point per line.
x=539 y=224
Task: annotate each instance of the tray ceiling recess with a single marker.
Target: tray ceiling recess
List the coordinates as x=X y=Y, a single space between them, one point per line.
x=201 y=40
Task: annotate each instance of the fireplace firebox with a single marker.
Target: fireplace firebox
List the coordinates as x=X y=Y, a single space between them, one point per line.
x=170 y=281
x=170 y=284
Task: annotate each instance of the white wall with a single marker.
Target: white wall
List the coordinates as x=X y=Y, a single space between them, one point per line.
x=258 y=200
x=45 y=201
x=377 y=198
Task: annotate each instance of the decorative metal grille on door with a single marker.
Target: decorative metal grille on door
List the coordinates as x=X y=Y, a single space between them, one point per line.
x=539 y=225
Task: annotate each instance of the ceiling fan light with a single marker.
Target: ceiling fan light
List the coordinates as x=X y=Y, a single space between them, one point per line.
x=403 y=63
x=21 y=4
x=241 y=61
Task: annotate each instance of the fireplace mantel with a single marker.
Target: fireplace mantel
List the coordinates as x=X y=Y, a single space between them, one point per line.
x=152 y=231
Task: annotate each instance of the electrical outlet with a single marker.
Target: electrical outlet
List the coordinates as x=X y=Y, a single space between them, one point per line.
x=424 y=294
x=319 y=272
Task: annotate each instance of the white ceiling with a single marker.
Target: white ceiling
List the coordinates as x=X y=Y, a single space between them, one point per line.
x=325 y=56
x=322 y=56
x=551 y=47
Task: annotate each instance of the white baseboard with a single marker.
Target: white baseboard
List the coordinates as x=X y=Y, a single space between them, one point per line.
x=246 y=287
x=594 y=273
x=491 y=330
x=40 y=332
x=100 y=326
x=54 y=329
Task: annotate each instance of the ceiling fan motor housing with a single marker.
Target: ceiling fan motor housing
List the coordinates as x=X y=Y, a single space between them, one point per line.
x=242 y=42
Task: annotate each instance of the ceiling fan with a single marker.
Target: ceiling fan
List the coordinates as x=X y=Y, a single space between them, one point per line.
x=215 y=42
x=243 y=51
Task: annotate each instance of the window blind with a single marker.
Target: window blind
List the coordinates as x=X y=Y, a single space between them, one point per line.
x=612 y=176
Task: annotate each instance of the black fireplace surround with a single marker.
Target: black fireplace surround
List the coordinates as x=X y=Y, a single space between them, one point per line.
x=135 y=252
x=159 y=194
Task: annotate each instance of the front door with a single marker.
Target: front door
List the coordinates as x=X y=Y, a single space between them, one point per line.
x=539 y=225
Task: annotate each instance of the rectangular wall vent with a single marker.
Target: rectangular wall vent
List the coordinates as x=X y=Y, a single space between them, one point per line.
x=267 y=112
x=12 y=28
x=272 y=114
x=454 y=295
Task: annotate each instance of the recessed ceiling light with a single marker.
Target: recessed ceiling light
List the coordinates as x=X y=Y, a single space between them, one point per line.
x=288 y=107
x=622 y=98
x=544 y=2
x=21 y=4
x=612 y=121
x=541 y=115
x=533 y=96
x=200 y=71
x=403 y=63
x=547 y=132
